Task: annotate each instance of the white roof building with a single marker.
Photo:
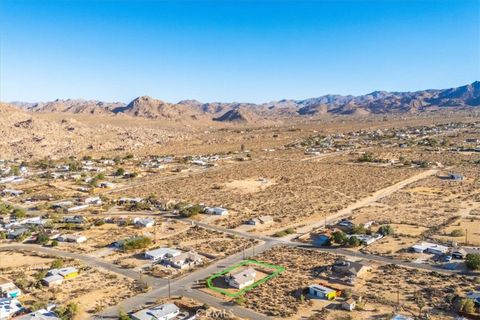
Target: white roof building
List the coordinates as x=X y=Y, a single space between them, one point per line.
x=41 y=314
x=162 y=253
x=8 y=307
x=217 y=211
x=430 y=248
x=242 y=278
x=165 y=311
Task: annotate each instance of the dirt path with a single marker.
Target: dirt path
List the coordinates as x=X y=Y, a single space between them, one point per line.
x=368 y=200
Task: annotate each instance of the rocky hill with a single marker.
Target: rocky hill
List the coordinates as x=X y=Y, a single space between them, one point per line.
x=378 y=102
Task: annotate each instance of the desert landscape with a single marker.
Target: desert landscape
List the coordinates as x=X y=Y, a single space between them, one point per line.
x=239 y=160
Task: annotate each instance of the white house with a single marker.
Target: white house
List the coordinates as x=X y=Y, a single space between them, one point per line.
x=428 y=247
x=9 y=307
x=216 y=211
x=144 y=222
x=78 y=208
x=77 y=238
x=41 y=314
x=241 y=279
x=8 y=289
x=161 y=254
x=93 y=200
x=186 y=260
x=53 y=280
x=349 y=304
x=165 y=311
x=11 y=192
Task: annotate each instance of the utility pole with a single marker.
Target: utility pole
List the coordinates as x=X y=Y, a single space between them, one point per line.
x=325 y=220
x=243 y=252
x=466 y=236
x=398 y=295
x=253 y=248
x=169 y=292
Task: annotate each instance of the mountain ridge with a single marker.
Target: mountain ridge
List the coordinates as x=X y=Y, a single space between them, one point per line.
x=376 y=102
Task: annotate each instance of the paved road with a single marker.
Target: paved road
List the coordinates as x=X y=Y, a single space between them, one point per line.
x=183 y=286
x=88 y=260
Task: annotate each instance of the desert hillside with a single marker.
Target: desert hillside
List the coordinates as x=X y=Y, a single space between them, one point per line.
x=378 y=102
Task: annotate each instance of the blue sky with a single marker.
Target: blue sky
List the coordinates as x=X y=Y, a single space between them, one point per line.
x=251 y=51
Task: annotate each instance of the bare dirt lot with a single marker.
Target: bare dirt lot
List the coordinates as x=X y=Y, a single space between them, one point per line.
x=27 y=269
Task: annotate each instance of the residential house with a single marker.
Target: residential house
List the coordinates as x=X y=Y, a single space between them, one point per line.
x=11 y=193
x=427 y=247
x=9 y=307
x=129 y=200
x=144 y=222
x=367 y=239
x=346 y=224
x=241 y=279
x=34 y=221
x=73 y=219
x=459 y=254
x=77 y=238
x=349 y=304
x=165 y=311
x=41 y=314
x=66 y=273
x=62 y=205
x=53 y=280
x=93 y=200
x=161 y=254
x=186 y=260
x=8 y=289
x=106 y=185
x=16 y=233
x=216 y=211
x=455 y=177
x=78 y=208
x=322 y=292
x=349 y=271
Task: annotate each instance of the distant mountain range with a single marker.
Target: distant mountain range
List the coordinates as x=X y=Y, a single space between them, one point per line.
x=378 y=102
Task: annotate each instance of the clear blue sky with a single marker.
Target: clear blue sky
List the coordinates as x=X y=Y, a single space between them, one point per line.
x=251 y=51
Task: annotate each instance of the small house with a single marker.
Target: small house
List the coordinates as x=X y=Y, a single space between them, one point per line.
x=77 y=238
x=11 y=192
x=349 y=304
x=144 y=222
x=78 y=208
x=241 y=279
x=349 y=271
x=455 y=177
x=53 y=280
x=66 y=273
x=17 y=233
x=74 y=219
x=459 y=254
x=161 y=254
x=41 y=314
x=93 y=200
x=165 y=311
x=427 y=247
x=322 y=292
x=216 y=211
x=186 y=260
x=8 y=289
x=9 y=307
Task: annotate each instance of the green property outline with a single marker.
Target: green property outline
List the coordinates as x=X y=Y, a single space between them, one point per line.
x=279 y=269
